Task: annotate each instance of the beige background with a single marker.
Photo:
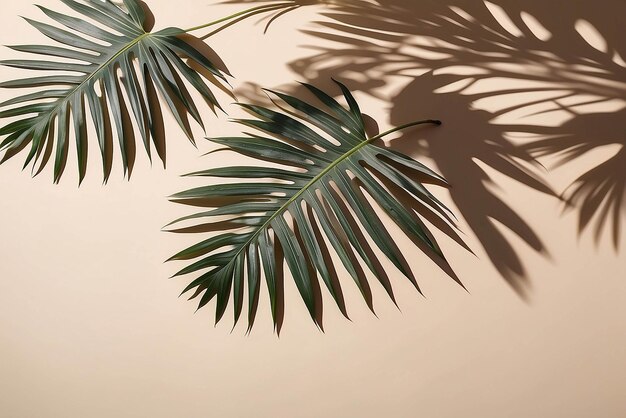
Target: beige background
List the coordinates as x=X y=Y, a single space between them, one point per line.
x=90 y=326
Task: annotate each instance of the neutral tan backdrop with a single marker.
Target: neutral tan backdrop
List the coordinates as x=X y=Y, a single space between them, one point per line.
x=90 y=326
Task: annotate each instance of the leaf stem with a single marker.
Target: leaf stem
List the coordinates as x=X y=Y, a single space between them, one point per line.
x=406 y=125
x=244 y=13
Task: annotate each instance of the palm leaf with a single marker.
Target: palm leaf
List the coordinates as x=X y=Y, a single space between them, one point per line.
x=100 y=61
x=327 y=162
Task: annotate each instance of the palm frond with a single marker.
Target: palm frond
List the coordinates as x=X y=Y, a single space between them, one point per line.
x=99 y=62
x=327 y=166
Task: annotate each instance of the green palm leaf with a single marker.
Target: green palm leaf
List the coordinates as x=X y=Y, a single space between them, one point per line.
x=327 y=162
x=99 y=62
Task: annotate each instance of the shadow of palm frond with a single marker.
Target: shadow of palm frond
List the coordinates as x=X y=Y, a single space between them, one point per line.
x=513 y=82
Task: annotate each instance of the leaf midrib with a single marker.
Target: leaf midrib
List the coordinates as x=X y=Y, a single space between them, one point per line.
x=82 y=84
x=315 y=179
x=291 y=200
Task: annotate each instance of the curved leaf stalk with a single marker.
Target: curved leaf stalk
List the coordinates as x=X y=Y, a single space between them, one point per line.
x=244 y=14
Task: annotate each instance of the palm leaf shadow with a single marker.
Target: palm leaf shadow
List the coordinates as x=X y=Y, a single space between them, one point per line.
x=454 y=52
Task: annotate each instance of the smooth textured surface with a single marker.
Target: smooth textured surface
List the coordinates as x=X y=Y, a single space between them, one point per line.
x=90 y=326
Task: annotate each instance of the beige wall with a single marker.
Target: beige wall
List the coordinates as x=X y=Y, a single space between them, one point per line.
x=90 y=326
